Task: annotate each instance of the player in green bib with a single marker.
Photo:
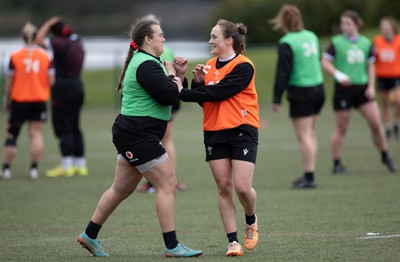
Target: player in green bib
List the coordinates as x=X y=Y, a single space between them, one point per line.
x=349 y=59
x=149 y=87
x=299 y=72
x=168 y=142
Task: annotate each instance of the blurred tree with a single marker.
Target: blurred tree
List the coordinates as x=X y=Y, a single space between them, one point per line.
x=320 y=16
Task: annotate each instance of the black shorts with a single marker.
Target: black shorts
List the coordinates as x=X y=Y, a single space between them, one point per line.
x=346 y=97
x=138 y=154
x=238 y=150
x=305 y=101
x=133 y=140
x=27 y=111
x=387 y=84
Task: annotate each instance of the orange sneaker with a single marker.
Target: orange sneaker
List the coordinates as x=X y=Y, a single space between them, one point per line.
x=234 y=250
x=251 y=235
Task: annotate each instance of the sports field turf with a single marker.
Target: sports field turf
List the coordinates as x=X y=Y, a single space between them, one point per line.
x=40 y=219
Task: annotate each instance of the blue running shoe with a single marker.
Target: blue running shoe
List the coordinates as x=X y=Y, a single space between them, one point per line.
x=182 y=251
x=92 y=245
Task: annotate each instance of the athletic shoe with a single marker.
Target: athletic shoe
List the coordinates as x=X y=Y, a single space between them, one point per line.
x=5 y=174
x=339 y=169
x=251 y=235
x=81 y=171
x=303 y=183
x=182 y=251
x=146 y=188
x=390 y=165
x=180 y=187
x=234 y=250
x=92 y=245
x=59 y=171
x=33 y=173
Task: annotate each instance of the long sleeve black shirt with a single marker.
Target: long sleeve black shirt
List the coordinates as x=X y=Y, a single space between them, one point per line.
x=159 y=86
x=230 y=85
x=283 y=71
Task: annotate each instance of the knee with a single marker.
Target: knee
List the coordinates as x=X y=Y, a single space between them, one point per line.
x=225 y=189
x=242 y=190
x=122 y=192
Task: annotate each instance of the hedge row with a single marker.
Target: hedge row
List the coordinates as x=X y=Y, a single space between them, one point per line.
x=320 y=16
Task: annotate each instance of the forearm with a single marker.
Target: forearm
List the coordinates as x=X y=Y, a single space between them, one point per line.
x=328 y=66
x=44 y=29
x=371 y=75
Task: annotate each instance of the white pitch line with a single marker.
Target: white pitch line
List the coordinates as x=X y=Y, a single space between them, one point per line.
x=388 y=236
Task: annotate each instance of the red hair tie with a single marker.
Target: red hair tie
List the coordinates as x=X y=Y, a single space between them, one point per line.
x=66 y=30
x=134 y=46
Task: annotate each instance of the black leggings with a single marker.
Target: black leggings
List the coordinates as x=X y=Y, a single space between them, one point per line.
x=67 y=102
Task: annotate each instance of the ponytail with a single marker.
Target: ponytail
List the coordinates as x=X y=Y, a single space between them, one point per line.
x=138 y=33
x=28 y=33
x=122 y=75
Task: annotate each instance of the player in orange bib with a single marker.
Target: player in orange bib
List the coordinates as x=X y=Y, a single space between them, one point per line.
x=30 y=75
x=225 y=87
x=387 y=65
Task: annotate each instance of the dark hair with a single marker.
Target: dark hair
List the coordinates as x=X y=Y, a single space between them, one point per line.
x=237 y=32
x=353 y=15
x=61 y=29
x=138 y=33
x=288 y=19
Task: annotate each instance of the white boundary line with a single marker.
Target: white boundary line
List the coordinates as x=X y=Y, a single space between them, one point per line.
x=371 y=237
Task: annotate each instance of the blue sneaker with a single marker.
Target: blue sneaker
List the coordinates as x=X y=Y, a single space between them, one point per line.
x=92 y=245
x=182 y=251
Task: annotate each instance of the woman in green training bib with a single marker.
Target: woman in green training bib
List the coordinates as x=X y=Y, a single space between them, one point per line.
x=149 y=88
x=350 y=60
x=299 y=72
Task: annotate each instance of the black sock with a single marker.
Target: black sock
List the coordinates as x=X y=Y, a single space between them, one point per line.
x=34 y=165
x=309 y=176
x=385 y=156
x=170 y=239
x=232 y=237
x=336 y=162
x=92 y=229
x=5 y=166
x=250 y=220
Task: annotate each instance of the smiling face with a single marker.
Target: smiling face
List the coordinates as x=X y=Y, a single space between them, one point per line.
x=348 y=26
x=220 y=46
x=156 y=41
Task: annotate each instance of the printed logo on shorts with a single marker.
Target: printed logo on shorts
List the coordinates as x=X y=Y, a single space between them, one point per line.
x=245 y=151
x=43 y=116
x=209 y=149
x=129 y=154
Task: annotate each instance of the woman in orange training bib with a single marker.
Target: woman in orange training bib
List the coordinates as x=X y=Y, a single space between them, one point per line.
x=30 y=75
x=225 y=87
x=387 y=53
